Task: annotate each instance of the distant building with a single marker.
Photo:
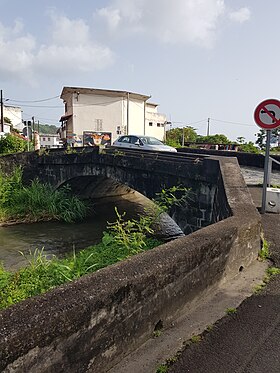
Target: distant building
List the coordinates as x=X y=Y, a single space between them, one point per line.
x=50 y=141
x=109 y=112
x=13 y=113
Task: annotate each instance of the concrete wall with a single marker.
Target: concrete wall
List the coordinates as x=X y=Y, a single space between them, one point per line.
x=90 y=324
x=244 y=159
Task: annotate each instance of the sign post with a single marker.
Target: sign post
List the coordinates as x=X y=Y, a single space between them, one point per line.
x=267 y=116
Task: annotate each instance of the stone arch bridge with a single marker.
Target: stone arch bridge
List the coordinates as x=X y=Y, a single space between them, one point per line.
x=94 y=175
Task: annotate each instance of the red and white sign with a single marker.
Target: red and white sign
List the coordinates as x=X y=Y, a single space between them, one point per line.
x=267 y=114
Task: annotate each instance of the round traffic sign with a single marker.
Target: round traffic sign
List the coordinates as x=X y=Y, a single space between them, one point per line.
x=267 y=114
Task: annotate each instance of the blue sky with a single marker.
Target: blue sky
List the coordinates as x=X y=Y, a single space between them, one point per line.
x=196 y=58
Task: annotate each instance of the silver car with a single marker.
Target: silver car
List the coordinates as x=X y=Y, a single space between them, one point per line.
x=143 y=143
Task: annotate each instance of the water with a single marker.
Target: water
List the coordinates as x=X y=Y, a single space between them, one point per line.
x=60 y=238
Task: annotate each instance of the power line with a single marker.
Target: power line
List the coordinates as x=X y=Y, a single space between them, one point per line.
x=238 y=123
x=42 y=100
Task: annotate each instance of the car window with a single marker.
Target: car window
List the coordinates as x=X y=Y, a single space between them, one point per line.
x=124 y=139
x=151 y=140
x=144 y=140
x=133 y=139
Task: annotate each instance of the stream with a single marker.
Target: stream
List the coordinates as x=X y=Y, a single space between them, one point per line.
x=59 y=238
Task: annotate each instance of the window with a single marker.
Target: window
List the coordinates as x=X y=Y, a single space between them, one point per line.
x=124 y=139
x=119 y=132
x=133 y=139
x=49 y=139
x=150 y=124
x=162 y=124
x=98 y=125
x=158 y=124
x=44 y=139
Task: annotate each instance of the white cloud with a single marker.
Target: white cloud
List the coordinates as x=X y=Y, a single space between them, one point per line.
x=241 y=15
x=183 y=21
x=111 y=16
x=71 y=49
x=16 y=51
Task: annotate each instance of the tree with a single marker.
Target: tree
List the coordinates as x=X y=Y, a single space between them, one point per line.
x=240 y=140
x=7 y=120
x=12 y=144
x=176 y=136
x=213 y=139
x=261 y=136
x=248 y=147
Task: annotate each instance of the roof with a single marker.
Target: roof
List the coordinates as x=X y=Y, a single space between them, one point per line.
x=103 y=92
x=64 y=117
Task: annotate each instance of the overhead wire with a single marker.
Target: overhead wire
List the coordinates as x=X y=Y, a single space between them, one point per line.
x=42 y=100
x=238 y=123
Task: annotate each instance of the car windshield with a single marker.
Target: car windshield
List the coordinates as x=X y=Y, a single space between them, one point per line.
x=150 y=140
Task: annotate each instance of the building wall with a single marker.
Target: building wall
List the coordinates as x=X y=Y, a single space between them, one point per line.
x=135 y=125
x=155 y=125
x=96 y=113
x=50 y=141
x=15 y=116
x=102 y=113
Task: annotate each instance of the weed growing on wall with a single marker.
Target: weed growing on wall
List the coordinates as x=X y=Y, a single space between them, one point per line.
x=37 y=201
x=174 y=196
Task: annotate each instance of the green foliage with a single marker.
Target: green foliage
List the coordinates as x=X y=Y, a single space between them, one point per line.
x=70 y=150
x=196 y=338
x=12 y=144
x=273 y=271
x=130 y=234
x=174 y=196
x=43 y=274
x=37 y=201
x=176 y=136
x=231 y=311
x=163 y=368
x=275 y=150
x=7 y=120
x=248 y=147
x=47 y=128
x=261 y=136
x=264 y=252
x=213 y=139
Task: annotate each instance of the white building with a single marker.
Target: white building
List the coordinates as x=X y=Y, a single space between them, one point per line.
x=50 y=141
x=108 y=111
x=13 y=113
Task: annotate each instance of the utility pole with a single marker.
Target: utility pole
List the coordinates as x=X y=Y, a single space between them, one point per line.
x=208 y=127
x=2 y=112
x=33 y=128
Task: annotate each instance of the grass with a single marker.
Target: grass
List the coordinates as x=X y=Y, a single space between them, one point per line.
x=37 y=201
x=122 y=240
x=264 y=251
x=231 y=311
x=270 y=273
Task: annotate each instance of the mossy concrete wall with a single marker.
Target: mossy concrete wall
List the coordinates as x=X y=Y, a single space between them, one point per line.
x=90 y=324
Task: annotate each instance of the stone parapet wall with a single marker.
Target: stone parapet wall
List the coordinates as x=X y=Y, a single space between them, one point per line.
x=244 y=159
x=88 y=325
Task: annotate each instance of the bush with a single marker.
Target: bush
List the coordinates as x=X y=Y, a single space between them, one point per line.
x=37 y=201
x=12 y=144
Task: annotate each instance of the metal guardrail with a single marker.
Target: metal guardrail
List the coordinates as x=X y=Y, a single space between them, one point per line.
x=270 y=162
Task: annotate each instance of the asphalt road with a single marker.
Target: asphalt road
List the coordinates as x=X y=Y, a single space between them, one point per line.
x=247 y=341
